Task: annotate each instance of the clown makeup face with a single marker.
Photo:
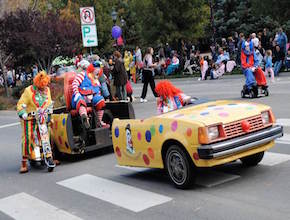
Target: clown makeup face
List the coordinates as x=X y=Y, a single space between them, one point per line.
x=129 y=142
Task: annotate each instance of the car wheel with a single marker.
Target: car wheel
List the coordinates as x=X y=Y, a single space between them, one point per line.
x=179 y=167
x=252 y=160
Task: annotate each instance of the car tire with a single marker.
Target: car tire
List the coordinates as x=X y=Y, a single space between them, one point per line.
x=252 y=160
x=179 y=167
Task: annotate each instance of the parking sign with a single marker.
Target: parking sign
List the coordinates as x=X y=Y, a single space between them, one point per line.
x=89 y=34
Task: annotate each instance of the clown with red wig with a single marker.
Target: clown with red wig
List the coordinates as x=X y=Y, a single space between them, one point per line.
x=86 y=89
x=34 y=96
x=170 y=97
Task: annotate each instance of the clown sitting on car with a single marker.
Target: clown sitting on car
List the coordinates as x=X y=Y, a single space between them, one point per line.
x=86 y=89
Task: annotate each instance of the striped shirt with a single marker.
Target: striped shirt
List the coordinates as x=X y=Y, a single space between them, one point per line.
x=77 y=82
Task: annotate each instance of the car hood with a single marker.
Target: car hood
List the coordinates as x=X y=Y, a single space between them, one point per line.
x=223 y=111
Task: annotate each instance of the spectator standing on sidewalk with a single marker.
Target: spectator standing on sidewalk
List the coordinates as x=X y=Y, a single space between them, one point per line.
x=265 y=40
x=282 y=40
x=148 y=74
x=279 y=58
x=120 y=76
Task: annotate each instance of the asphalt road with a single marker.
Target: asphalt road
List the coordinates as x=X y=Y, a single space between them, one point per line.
x=95 y=188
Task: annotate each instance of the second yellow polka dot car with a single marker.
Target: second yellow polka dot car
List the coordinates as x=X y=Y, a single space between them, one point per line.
x=198 y=135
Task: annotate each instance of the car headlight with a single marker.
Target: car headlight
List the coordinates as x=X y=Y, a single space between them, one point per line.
x=213 y=133
x=266 y=118
x=209 y=134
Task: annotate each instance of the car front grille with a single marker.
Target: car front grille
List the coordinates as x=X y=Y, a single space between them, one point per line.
x=234 y=129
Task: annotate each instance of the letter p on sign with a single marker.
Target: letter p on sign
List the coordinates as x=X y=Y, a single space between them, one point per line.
x=86 y=31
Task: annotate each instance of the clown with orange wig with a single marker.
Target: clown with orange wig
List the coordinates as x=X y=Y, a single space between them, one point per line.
x=34 y=96
x=170 y=97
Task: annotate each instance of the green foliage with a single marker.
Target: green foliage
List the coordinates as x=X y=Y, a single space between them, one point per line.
x=249 y=16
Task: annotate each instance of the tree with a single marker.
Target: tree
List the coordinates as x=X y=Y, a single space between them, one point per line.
x=250 y=16
x=29 y=35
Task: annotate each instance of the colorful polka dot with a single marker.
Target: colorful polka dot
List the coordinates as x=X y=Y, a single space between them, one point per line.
x=63 y=121
x=150 y=153
x=117 y=132
x=224 y=114
x=189 y=132
x=174 y=126
x=146 y=159
x=118 y=152
x=152 y=130
x=148 y=136
x=160 y=129
x=139 y=136
x=66 y=145
x=204 y=113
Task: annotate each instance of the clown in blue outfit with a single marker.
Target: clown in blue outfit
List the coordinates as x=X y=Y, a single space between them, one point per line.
x=86 y=89
x=250 y=66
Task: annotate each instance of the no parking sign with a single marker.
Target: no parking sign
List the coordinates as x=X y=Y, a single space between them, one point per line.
x=87 y=15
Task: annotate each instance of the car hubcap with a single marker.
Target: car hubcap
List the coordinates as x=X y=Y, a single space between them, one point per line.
x=176 y=167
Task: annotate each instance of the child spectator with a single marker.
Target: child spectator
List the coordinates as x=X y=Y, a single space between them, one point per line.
x=203 y=67
x=268 y=66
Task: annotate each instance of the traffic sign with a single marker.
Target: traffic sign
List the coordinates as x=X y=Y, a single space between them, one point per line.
x=90 y=37
x=87 y=15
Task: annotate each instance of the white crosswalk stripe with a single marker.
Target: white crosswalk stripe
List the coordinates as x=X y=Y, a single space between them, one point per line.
x=284 y=140
x=26 y=207
x=128 y=197
x=272 y=159
x=283 y=121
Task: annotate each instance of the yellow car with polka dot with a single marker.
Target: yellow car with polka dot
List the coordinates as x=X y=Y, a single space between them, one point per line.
x=199 y=135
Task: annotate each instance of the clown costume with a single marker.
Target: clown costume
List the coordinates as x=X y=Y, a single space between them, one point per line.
x=34 y=96
x=170 y=97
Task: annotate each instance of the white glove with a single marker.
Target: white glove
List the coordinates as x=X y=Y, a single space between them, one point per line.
x=24 y=116
x=77 y=97
x=253 y=69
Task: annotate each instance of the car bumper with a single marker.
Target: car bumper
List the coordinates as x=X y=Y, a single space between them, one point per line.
x=237 y=145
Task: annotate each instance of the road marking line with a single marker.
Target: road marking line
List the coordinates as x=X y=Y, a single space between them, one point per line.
x=212 y=178
x=137 y=169
x=283 y=121
x=25 y=207
x=9 y=125
x=119 y=194
x=272 y=159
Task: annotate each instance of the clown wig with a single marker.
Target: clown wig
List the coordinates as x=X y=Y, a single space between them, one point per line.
x=41 y=80
x=166 y=89
x=90 y=68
